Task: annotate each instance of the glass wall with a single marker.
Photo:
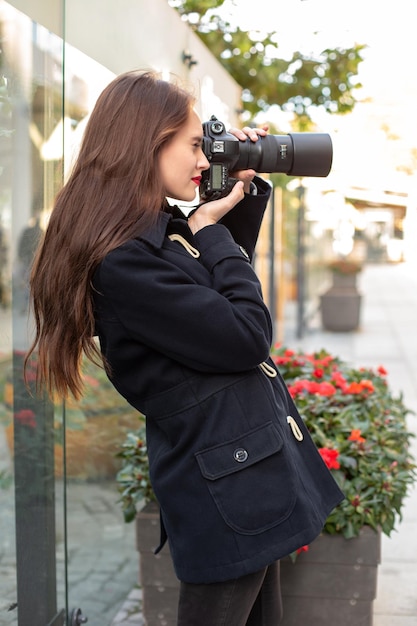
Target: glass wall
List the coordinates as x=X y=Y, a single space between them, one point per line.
x=64 y=547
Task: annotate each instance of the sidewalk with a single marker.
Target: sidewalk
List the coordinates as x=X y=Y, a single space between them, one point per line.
x=388 y=337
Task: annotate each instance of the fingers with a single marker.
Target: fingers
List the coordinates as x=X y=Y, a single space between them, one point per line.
x=246 y=176
x=248 y=132
x=237 y=194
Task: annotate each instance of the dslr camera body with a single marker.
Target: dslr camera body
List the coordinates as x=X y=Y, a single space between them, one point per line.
x=295 y=154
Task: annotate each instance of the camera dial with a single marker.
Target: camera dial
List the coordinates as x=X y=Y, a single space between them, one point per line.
x=217 y=128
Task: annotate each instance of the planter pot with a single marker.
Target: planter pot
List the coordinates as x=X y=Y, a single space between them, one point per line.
x=340 y=310
x=340 y=306
x=344 y=281
x=160 y=586
x=333 y=583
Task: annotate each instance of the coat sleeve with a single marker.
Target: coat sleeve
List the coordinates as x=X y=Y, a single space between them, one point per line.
x=244 y=221
x=206 y=313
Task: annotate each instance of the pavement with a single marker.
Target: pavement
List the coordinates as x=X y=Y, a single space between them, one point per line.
x=387 y=336
x=102 y=560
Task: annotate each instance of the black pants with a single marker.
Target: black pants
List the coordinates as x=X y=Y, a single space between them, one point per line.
x=253 y=600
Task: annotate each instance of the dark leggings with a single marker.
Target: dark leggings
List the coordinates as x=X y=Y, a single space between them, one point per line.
x=253 y=600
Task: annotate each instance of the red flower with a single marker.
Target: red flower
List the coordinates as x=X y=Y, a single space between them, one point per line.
x=310 y=386
x=357 y=388
x=367 y=385
x=356 y=501
x=339 y=380
x=323 y=362
x=90 y=380
x=302 y=549
x=281 y=360
x=298 y=387
x=31 y=374
x=382 y=371
x=355 y=435
x=326 y=389
x=329 y=456
x=26 y=417
x=353 y=388
x=318 y=372
x=289 y=352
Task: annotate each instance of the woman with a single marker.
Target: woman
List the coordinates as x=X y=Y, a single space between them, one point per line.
x=185 y=337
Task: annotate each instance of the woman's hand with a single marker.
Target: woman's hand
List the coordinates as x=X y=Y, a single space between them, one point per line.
x=243 y=134
x=211 y=212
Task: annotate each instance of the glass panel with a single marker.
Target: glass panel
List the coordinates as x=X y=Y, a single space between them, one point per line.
x=58 y=494
x=102 y=565
x=30 y=102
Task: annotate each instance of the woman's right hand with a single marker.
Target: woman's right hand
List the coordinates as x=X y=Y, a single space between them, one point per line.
x=211 y=212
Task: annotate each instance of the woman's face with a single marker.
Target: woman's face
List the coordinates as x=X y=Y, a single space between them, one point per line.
x=182 y=160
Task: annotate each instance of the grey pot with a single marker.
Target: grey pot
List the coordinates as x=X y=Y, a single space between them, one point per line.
x=334 y=582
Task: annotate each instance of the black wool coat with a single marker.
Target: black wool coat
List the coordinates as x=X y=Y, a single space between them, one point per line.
x=183 y=325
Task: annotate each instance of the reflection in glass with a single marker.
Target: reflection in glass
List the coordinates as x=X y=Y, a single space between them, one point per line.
x=58 y=495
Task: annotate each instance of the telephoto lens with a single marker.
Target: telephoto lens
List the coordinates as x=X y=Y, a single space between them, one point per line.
x=295 y=154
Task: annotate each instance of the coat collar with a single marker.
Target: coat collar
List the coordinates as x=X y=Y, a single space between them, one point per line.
x=173 y=220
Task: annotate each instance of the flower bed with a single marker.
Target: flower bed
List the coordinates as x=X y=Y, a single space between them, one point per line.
x=360 y=429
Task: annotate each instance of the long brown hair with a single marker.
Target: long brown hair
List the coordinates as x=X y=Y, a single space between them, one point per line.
x=113 y=193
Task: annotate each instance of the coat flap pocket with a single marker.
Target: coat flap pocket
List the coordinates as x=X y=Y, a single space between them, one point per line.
x=235 y=455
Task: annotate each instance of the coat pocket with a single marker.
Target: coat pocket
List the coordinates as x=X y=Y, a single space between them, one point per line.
x=250 y=479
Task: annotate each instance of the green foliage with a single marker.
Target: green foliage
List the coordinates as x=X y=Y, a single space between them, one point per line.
x=200 y=7
x=133 y=478
x=253 y=60
x=360 y=429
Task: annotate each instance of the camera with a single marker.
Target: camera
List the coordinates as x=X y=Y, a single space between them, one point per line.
x=295 y=154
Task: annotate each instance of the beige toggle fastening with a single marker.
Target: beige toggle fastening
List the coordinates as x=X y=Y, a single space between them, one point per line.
x=190 y=249
x=295 y=428
x=268 y=370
